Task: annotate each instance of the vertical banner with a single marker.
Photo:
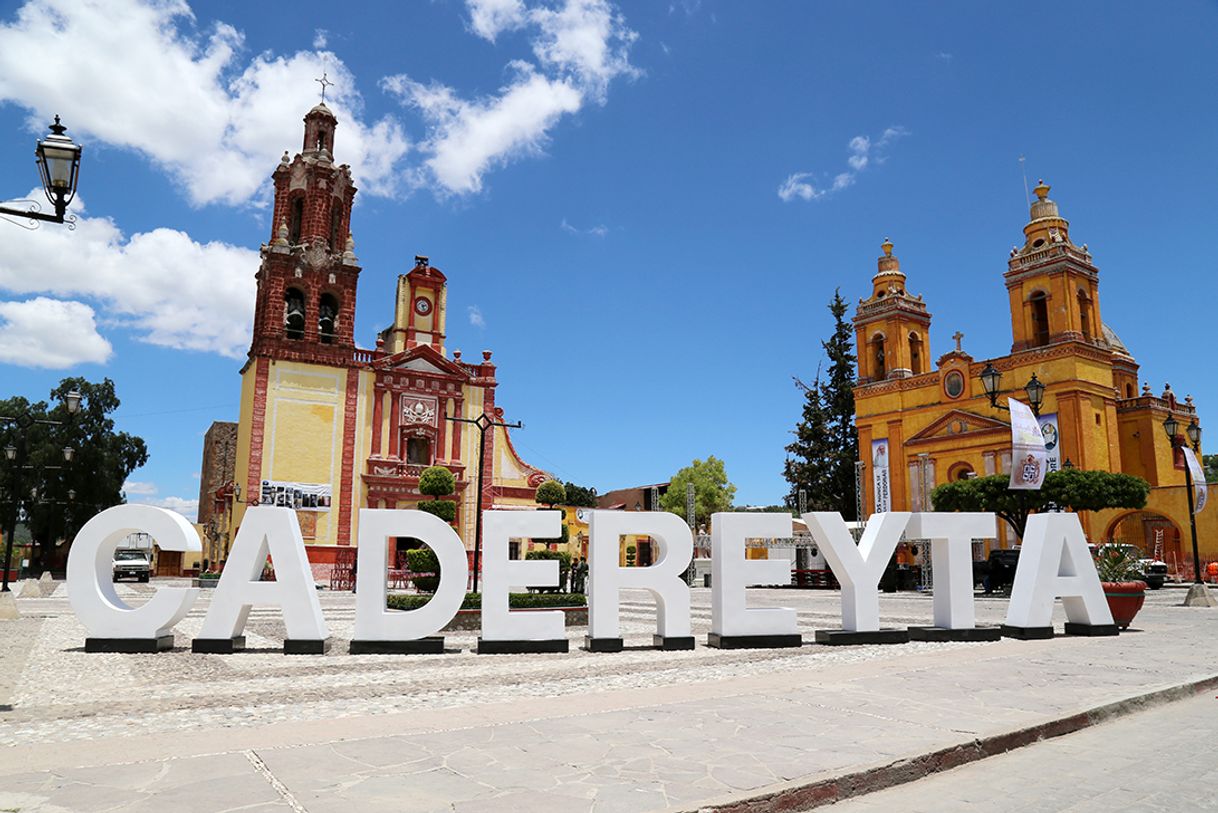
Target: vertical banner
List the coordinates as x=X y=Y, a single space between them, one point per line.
x=1029 y=460
x=1199 y=489
x=879 y=473
x=1053 y=447
x=691 y=509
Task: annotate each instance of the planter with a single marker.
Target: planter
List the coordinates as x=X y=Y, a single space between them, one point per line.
x=472 y=619
x=1124 y=600
x=204 y=583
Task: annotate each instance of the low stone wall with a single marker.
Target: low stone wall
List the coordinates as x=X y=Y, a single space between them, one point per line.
x=468 y=620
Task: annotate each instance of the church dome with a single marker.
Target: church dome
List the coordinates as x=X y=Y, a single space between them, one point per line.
x=1114 y=341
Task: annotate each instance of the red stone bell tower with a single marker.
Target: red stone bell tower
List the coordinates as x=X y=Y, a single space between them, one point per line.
x=305 y=307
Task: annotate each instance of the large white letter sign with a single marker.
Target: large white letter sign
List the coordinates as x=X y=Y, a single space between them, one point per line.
x=951 y=553
x=1054 y=562
x=274 y=531
x=734 y=625
x=665 y=578
x=858 y=568
x=112 y=626
x=377 y=629
x=527 y=630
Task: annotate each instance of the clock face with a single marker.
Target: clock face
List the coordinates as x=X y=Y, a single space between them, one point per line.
x=422 y=306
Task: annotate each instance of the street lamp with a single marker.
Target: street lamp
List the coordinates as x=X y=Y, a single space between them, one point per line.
x=991 y=382
x=58 y=160
x=1194 y=435
x=1172 y=427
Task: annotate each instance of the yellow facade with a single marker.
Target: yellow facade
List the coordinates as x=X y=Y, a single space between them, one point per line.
x=938 y=421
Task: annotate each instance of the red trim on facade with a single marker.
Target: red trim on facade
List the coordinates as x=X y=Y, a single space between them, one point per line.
x=441 y=426
x=348 y=464
x=395 y=424
x=253 y=483
x=377 y=419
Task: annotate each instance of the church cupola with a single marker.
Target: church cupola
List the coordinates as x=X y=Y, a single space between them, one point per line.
x=892 y=327
x=307 y=282
x=1052 y=283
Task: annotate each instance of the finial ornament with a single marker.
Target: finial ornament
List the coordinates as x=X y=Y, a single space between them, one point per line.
x=887 y=247
x=1042 y=189
x=285 y=159
x=324 y=82
x=281 y=238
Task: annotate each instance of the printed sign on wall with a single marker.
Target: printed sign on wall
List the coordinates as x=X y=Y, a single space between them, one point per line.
x=298 y=496
x=879 y=475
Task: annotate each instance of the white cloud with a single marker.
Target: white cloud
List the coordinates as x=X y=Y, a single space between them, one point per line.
x=490 y=18
x=135 y=487
x=599 y=230
x=945 y=56
x=863 y=152
x=321 y=39
x=187 y=507
x=580 y=47
x=173 y=291
x=185 y=101
x=586 y=40
x=50 y=333
x=475 y=316
x=469 y=138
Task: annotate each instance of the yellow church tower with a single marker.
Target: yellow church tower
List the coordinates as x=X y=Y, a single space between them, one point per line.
x=892 y=328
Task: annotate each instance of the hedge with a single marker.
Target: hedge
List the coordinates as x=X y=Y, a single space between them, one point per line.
x=517 y=601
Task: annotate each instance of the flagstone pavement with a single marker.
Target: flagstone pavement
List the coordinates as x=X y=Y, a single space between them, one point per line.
x=634 y=731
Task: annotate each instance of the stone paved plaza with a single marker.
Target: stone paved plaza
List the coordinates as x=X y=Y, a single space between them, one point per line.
x=634 y=731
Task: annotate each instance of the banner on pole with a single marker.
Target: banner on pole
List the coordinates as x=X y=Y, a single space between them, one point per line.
x=879 y=473
x=1029 y=458
x=1200 y=492
x=1053 y=447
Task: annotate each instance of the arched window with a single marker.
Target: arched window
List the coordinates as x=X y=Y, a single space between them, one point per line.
x=1084 y=312
x=1039 y=304
x=878 y=370
x=962 y=471
x=296 y=219
x=915 y=353
x=336 y=225
x=293 y=313
x=327 y=318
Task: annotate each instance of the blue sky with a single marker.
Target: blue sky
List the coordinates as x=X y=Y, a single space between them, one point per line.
x=601 y=184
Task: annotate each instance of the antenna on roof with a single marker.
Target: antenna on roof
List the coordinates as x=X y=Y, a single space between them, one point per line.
x=1023 y=171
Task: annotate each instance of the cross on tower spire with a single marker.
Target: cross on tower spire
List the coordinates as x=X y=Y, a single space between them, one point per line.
x=324 y=82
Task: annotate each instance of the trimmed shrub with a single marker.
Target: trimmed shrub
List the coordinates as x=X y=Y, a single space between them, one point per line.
x=436 y=481
x=423 y=560
x=444 y=509
x=564 y=566
x=517 y=601
x=551 y=493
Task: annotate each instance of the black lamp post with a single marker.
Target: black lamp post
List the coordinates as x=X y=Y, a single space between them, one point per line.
x=58 y=160
x=16 y=455
x=1172 y=427
x=483 y=422
x=991 y=382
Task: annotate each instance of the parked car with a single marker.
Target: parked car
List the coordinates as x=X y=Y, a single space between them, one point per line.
x=132 y=563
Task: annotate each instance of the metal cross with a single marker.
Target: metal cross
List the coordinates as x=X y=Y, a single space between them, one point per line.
x=324 y=82
x=958 y=336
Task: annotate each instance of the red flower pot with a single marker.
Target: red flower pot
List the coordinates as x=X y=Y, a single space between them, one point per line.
x=1124 y=600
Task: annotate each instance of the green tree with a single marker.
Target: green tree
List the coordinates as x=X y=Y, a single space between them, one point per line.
x=551 y=493
x=1209 y=462
x=1068 y=489
x=821 y=458
x=437 y=482
x=67 y=496
x=712 y=490
x=580 y=497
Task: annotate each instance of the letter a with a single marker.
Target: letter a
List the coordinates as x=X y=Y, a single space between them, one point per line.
x=1054 y=562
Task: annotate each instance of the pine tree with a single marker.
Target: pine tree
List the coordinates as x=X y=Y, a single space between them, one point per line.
x=825 y=448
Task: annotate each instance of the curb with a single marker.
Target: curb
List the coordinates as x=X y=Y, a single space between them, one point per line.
x=835 y=789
